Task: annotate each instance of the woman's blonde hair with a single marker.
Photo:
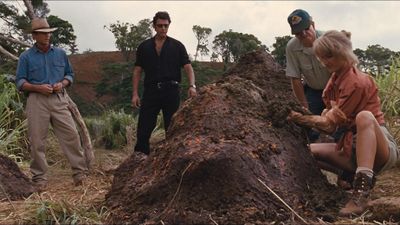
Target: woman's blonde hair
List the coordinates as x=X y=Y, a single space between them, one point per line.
x=335 y=43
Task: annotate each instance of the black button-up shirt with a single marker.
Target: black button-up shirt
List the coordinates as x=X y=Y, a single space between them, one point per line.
x=164 y=67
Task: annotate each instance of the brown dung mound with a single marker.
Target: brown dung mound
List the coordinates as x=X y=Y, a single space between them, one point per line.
x=14 y=184
x=218 y=147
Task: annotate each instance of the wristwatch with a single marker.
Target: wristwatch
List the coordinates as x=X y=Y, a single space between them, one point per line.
x=193 y=86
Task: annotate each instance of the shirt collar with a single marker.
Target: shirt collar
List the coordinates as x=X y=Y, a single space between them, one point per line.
x=338 y=79
x=38 y=50
x=154 y=39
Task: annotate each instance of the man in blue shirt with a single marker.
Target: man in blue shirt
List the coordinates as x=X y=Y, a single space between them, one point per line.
x=161 y=58
x=43 y=72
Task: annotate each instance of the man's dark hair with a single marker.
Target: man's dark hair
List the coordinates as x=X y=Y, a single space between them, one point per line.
x=161 y=15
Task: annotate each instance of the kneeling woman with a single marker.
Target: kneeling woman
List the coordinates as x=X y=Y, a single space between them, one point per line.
x=366 y=148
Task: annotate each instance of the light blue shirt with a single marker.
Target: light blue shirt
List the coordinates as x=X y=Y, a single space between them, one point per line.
x=37 y=67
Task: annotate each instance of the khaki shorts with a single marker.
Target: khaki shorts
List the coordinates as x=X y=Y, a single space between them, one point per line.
x=394 y=152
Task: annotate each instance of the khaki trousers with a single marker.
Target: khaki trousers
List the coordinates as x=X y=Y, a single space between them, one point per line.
x=41 y=111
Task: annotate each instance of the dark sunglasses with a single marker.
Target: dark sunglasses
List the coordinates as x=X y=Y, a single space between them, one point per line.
x=162 y=25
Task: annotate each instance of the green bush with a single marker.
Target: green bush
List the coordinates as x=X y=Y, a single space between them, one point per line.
x=116 y=129
x=62 y=212
x=389 y=89
x=12 y=123
x=117 y=81
x=389 y=93
x=109 y=130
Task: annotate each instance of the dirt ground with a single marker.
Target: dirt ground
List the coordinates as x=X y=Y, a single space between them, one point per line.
x=89 y=199
x=62 y=200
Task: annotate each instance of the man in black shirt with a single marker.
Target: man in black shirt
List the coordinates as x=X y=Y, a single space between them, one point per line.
x=161 y=58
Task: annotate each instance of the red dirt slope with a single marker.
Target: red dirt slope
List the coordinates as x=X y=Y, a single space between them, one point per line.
x=88 y=72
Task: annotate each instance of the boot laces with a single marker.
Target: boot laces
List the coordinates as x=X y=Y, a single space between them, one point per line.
x=362 y=187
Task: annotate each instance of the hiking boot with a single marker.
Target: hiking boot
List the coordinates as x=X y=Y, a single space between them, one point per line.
x=79 y=180
x=359 y=199
x=40 y=186
x=345 y=180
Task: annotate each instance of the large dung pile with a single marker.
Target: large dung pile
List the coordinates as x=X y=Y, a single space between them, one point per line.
x=219 y=145
x=14 y=184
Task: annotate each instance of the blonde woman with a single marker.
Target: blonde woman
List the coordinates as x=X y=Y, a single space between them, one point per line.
x=353 y=105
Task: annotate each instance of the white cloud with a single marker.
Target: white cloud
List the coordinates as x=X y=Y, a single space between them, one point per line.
x=369 y=22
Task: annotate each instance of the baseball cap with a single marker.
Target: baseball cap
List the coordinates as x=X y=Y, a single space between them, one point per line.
x=299 y=20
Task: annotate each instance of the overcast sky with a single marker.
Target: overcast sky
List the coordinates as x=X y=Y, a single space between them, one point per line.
x=371 y=22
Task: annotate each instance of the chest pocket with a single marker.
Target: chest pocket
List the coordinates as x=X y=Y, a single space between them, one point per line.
x=37 y=73
x=307 y=69
x=59 y=67
x=305 y=64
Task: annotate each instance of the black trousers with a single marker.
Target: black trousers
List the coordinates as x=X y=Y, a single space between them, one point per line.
x=155 y=98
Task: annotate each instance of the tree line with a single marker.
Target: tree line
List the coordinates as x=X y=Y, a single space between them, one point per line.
x=227 y=47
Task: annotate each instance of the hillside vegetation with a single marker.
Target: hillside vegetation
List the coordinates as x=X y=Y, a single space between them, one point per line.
x=103 y=81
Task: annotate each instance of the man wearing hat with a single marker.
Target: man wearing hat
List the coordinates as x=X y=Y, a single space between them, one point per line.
x=308 y=76
x=43 y=72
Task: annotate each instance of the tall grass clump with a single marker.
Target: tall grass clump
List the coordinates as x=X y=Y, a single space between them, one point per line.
x=389 y=93
x=109 y=130
x=117 y=129
x=389 y=89
x=12 y=122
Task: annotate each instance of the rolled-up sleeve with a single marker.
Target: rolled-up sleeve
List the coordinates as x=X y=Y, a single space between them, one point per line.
x=69 y=73
x=22 y=72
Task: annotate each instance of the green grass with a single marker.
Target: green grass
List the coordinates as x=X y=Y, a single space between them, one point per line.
x=389 y=93
x=12 y=122
x=389 y=89
x=53 y=212
x=109 y=130
x=114 y=130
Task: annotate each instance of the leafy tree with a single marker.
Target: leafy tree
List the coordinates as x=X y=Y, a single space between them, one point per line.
x=40 y=8
x=14 y=31
x=379 y=56
x=361 y=57
x=64 y=36
x=129 y=36
x=15 y=26
x=202 y=34
x=375 y=59
x=231 y=45
x=214 y=57
x=279 y=52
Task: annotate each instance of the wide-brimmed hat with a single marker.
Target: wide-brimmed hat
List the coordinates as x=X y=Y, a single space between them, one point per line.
x=299 y=20
x=41 y=25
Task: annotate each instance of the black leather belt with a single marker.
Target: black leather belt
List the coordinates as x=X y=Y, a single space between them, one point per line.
x=164 y=84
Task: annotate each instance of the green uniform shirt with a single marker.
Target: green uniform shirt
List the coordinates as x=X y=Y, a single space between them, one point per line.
x=302 y=63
